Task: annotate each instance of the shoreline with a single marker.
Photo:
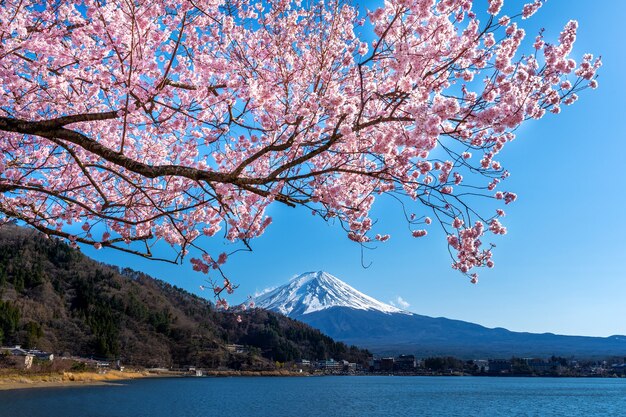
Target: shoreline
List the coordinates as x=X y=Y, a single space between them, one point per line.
x=117 y=378
x=234 y=373
x=73 y=379
x=112 y=378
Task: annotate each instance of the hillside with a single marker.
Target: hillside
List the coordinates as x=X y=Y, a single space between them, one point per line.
x=56 y=299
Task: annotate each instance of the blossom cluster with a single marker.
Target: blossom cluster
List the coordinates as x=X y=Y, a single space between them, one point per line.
x=129 y=122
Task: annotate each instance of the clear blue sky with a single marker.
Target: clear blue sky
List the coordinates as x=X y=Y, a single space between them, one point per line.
x=561 y=267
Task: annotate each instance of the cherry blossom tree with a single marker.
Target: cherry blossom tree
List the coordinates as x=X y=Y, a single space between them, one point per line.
x=127 y=122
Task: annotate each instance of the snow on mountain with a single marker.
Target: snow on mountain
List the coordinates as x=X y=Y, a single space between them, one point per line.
x=316 y=291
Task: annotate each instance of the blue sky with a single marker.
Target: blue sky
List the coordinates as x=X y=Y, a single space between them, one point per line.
x=561 y=267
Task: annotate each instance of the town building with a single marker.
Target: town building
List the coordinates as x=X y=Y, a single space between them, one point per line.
x=482 y=365
x=541 y=366
x=18 y=356
x=499 y=366
x=233 y=348
x=405 y=363
x=41 y=355
x=329 y=365
x=386 y=364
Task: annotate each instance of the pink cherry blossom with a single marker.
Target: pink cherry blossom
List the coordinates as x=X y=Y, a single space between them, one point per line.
x=382 y=238
x=495 y=6
x=182 y=121
x=531 y=8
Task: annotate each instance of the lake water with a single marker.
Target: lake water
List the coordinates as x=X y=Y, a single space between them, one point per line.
x=326 y=397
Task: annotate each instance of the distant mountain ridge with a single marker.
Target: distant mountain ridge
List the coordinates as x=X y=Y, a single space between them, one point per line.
x=342 y=312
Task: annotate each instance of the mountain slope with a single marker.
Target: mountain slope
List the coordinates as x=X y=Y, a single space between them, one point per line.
x=392 y=332
x=55 y=298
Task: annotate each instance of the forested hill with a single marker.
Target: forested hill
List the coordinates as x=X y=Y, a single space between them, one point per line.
x=56 y=299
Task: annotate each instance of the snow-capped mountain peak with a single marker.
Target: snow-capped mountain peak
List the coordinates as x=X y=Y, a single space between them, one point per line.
x=315 y=291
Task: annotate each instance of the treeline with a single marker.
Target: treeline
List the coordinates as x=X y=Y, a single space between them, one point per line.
x=56 y=299
x=551 y=366
x=9 y=320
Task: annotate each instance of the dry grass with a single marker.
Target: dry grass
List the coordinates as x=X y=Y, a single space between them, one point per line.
x=20 y=380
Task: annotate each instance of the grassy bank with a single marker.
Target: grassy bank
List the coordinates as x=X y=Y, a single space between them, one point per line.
x=27 y=380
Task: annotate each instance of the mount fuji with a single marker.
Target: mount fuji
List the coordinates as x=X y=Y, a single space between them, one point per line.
x=346 y=314
x=317 y=291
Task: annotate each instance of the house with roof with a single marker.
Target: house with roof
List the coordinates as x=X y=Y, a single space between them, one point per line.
x=18 y=356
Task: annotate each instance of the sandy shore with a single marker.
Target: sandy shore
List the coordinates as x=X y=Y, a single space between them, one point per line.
x=69 y=379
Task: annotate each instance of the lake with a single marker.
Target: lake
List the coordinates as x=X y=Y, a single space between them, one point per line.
x=326 y=396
